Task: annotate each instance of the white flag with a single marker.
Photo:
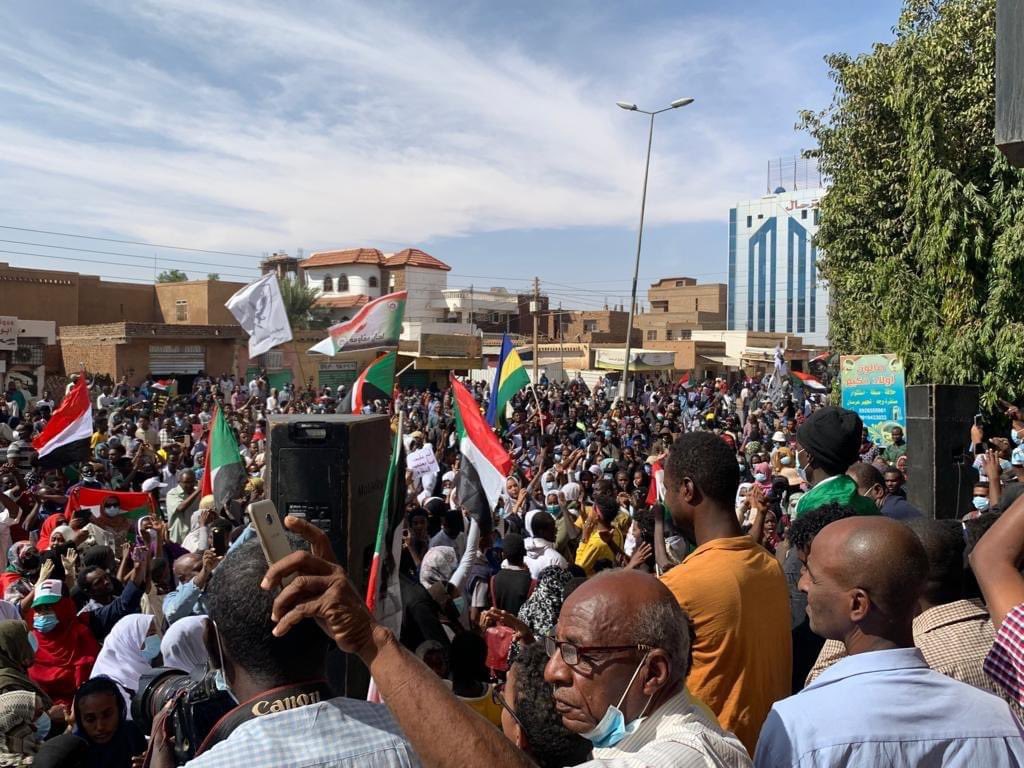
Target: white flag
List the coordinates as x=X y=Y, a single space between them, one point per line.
x=259 y=309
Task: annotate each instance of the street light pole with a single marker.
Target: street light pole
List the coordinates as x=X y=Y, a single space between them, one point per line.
x=624 y=384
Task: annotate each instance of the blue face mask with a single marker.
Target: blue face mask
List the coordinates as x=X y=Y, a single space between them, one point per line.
x=554 y=510
x=612 y=727
x=759 y=477
x=45 y=622
x=785 y=461
x=980 y=503
x=42 y=727
x=151 y=648
x=1017 y=439
x=460 y=604
x=801 y=470
x=32 y=642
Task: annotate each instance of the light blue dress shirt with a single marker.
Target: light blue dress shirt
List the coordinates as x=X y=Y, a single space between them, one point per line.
x=887 y=708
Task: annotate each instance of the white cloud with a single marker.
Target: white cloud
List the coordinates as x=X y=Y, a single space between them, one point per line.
x=254 y=125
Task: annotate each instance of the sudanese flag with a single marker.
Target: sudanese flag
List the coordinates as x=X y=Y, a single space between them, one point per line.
x=485 y=462
x=223 y=471
x=65 y=439
x=376 y=382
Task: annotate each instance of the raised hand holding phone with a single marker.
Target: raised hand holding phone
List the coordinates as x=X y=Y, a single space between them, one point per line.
x=270 y=532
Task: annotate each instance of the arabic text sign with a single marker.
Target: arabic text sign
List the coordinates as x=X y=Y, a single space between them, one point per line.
x=8 y=333
x=873 y=387
x=422 y=462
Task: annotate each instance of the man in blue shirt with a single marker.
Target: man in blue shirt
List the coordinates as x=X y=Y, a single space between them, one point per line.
x=882 y=705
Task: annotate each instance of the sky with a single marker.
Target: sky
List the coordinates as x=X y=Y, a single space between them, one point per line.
x=484 y=133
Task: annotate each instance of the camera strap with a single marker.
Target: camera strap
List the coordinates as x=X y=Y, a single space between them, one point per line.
x=275 y=700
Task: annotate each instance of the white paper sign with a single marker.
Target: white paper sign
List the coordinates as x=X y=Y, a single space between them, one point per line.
x=9 y=333
x=422 y=462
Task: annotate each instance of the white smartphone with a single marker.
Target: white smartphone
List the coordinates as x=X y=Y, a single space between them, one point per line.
x=271 y=532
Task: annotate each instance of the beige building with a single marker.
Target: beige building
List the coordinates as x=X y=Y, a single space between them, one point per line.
x=679 y=305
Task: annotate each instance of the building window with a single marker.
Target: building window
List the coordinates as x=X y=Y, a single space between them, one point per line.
x=803 y=214
x=391 y=283
x=342 y=284
x=668 y=334
x=750 y=221
x=590 y=326
x=372 y=282
x=760 y=216
x=181 y=310
x=680 y=283
x=328 y=284
x=652 y=335
x=817 y=216
x=494 y=317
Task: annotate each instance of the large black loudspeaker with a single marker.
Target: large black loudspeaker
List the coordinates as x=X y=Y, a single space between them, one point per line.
x=332 y=470
x=939 y=419
x=1010 y=79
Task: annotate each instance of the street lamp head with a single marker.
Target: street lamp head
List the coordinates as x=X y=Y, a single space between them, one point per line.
x=680 y=103
x=627 y=106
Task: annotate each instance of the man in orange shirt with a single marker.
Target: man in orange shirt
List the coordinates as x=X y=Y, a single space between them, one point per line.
x=733 y=590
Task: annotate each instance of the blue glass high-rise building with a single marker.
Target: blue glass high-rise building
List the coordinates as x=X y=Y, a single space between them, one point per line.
x=774 y=284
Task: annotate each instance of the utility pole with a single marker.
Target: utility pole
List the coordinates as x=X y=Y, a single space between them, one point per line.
x=471 y=303
x=535 y=311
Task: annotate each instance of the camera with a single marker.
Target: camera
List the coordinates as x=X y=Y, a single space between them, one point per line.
x=198 y=705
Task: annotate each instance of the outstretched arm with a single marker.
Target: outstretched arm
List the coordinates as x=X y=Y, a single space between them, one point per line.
x=420 y=702
x=996 y=560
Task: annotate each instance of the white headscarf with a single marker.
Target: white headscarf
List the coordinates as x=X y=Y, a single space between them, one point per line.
x=183 y=647
x=572 y=491
x=121 y=657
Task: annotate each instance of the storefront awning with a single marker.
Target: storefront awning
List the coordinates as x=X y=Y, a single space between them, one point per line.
x=639 y=360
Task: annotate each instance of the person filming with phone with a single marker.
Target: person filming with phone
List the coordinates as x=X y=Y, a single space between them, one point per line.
x=286 y=715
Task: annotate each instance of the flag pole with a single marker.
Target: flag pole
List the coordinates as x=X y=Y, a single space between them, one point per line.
x=382 y=523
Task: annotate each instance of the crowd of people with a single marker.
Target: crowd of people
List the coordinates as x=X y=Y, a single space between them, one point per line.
x=718 y=574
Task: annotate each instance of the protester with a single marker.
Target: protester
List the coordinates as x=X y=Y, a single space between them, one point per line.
x=732 y=589
x=66 y=648
x=19 y=737
x=873 y=485
x=128 y=652
x=101 y=720
x=182 y=646
x=643 y=715
x=828 y=442
x=255 y=660
x=863 y=578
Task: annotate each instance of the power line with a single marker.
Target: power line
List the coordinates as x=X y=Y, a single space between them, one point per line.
x=114 y=263
x=162 y=259
x=128 y=242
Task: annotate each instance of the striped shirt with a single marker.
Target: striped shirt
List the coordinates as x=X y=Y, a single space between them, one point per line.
x=341 y=733
x=681 y=733
x=1005 y=661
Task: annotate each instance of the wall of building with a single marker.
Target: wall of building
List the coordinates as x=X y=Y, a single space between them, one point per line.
x=606 y=326
x=100 y=301
x=358 y=279
x=425 y=300
x=774 y=284
x=685 y=296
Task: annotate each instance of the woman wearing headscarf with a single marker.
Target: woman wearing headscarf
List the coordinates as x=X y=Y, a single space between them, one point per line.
x=22 y=568
x=19 y=739
x=183 y=647
x=101 y=719
x=128 y=653
x=16 y=656
x=66 y=649
x=540 y=611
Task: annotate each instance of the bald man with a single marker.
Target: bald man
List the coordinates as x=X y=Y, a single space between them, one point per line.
x=618 y=663
x=863 y=577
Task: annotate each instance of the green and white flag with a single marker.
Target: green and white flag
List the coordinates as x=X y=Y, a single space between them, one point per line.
x=223 y=472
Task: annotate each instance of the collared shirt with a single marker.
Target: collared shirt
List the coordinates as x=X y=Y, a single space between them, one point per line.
x=681 y=733
x=1005 y=661
x=186 y=600
x=954 y=639
x=888 y=708
x=341 y=733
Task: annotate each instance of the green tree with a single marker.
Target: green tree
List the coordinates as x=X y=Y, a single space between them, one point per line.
x=923 y=225
x=213 y=276
x=300 y=304
x=172 y=276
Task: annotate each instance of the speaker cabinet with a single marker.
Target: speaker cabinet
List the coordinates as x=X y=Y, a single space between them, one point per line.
x=939 y=419
x=331 y=470
x=1010 y=80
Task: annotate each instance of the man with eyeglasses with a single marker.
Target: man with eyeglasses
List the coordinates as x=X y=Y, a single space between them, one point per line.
x=618 y=662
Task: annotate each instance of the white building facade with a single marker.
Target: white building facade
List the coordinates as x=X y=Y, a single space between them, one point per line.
x=774 y=282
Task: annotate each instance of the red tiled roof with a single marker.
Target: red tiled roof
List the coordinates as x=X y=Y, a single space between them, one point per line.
x=342 y=302
x=414 y=257
x=350 y=256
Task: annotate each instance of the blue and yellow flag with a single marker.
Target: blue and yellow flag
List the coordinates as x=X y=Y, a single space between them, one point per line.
x=509 y=377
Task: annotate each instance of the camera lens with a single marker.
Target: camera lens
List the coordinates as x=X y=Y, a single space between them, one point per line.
x=156 y=688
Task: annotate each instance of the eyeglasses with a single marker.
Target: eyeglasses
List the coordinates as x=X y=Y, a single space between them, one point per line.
x=498 y=697
x=574 y=655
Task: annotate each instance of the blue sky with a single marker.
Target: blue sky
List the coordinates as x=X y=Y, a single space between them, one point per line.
x=484 y=133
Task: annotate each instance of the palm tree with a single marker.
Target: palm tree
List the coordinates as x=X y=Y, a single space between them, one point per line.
x=300 y=304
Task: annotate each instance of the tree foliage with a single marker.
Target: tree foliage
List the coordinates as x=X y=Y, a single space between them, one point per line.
x=300 y=304
x=172 y=276
x=213 y=276
x=923 y=225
